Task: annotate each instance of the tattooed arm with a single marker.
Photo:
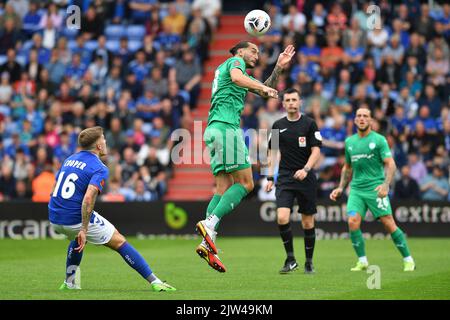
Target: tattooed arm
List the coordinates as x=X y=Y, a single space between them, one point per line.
x=86 y=210
x=346 y=175
x=390 y=168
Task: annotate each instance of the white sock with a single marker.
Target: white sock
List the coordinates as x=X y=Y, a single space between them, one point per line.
x=156 y=281
x=211 y=221
x=408 y=259
x=363 y=260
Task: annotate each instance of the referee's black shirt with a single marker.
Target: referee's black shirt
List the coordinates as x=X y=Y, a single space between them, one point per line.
x=296 y=138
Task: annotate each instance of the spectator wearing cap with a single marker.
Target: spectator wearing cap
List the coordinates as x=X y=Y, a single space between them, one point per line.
x=406 y=187
x=435 y=186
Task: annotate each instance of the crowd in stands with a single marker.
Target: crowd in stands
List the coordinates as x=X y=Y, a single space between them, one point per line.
x=397 y=66
x=132 y=67
x=135 y=66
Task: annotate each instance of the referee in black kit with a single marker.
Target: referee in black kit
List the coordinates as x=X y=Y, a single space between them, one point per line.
x=299 y=146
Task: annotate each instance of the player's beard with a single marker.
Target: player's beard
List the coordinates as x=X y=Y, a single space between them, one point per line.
x=364 y=129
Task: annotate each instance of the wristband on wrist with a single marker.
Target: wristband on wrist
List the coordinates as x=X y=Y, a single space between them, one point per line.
x=306 y=168
x=270 y=178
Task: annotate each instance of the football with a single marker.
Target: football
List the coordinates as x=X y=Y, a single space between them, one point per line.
x=257 y=22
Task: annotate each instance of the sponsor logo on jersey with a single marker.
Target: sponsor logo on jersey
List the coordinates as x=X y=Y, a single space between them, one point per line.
x=318 y=135
x=302 y=141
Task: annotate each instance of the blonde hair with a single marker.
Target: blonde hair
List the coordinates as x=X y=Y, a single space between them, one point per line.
x=88 y=137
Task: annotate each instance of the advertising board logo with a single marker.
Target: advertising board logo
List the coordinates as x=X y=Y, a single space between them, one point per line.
x=176 y=217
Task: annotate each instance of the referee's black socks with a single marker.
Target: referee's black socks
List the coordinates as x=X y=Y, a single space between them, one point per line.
x=310 y=241
x=286 y=236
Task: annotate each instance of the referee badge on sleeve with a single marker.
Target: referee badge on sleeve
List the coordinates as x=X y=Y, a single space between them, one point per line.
x=302 y=141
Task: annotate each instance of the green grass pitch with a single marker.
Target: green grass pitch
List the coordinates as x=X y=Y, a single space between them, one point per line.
x=34 y=270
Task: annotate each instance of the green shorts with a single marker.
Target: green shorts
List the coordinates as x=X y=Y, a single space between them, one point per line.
x=227 y=148
x=360 y=201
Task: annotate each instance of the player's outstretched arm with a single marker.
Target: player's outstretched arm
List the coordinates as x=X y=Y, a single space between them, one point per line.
x=86 y=210
x=252 y=85
x=283 y=62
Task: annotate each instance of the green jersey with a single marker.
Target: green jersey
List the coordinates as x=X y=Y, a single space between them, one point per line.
x=366 y=156
x=227 y=98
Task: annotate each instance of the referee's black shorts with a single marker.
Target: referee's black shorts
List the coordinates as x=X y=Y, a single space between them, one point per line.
x=306 y=200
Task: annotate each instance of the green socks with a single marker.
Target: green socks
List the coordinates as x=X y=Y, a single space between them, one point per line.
x=358 y=242
x=400 y=242
x=213 y=204
x=230 y=200
x=222 y=205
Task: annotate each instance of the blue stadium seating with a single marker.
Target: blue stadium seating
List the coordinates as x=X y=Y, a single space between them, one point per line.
x=115 y=32
x=135 y=32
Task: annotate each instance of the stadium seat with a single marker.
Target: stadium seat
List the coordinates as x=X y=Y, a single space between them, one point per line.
x=115 y=32
x=70 y=34
x=91 y=45
x=113 y=45
x=71 y=45
x=134 y=45
x=27 y=45
x=135 y=32
x=22 y=60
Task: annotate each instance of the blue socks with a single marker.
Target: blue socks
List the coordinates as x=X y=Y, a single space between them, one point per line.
x=135 y=260
x=73 y=261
